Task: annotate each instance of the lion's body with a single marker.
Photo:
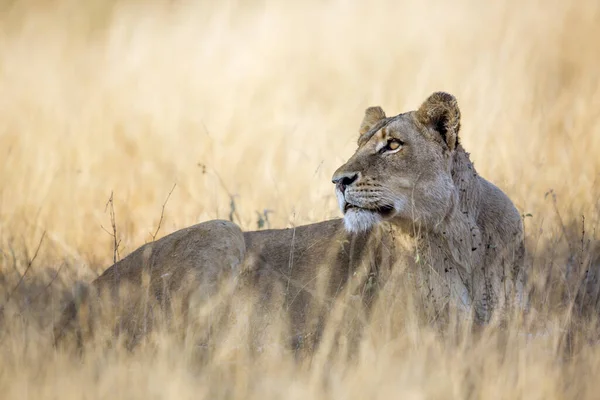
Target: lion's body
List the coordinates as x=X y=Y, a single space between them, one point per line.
x=410 y=196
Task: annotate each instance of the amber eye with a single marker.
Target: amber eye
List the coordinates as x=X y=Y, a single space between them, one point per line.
x=392 y=145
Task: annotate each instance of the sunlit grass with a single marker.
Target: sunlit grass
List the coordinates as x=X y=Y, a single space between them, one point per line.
x=250 y=106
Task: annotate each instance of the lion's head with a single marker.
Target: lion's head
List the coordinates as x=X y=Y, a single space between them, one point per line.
x=401 y=170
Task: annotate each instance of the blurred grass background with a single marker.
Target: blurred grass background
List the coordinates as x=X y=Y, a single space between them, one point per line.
x=259 y=102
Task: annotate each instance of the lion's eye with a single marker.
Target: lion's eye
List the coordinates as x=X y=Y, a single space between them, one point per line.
x=392 y=145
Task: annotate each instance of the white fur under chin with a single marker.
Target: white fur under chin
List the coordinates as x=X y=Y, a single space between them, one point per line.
x=356 y=221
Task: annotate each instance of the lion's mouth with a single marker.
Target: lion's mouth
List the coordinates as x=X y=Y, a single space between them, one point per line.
x=384 y=211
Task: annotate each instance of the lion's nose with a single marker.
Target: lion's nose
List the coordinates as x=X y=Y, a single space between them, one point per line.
x=344 y=179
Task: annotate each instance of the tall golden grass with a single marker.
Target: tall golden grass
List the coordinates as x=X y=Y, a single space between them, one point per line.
x=248 y=106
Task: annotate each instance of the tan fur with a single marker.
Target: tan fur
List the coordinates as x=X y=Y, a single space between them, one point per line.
x=372 y=116
x=422 y=205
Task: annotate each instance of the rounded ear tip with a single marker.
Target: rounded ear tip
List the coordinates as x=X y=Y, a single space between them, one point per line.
x=375 y=111
x=372 y=116
x=442 y=97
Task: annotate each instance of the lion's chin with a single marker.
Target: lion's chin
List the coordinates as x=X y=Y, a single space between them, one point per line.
x=359 y=220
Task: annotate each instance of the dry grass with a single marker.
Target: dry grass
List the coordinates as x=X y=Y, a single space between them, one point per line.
x=259 y=101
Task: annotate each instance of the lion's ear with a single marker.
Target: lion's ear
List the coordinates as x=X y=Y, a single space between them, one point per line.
x=440 y=112
x=372 y=116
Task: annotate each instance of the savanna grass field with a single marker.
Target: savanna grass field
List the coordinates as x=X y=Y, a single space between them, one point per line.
x=125 y=120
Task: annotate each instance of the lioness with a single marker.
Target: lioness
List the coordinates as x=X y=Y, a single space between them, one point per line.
x=409 y=195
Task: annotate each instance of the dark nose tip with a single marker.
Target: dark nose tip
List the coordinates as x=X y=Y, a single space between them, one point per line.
x=344 y=180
